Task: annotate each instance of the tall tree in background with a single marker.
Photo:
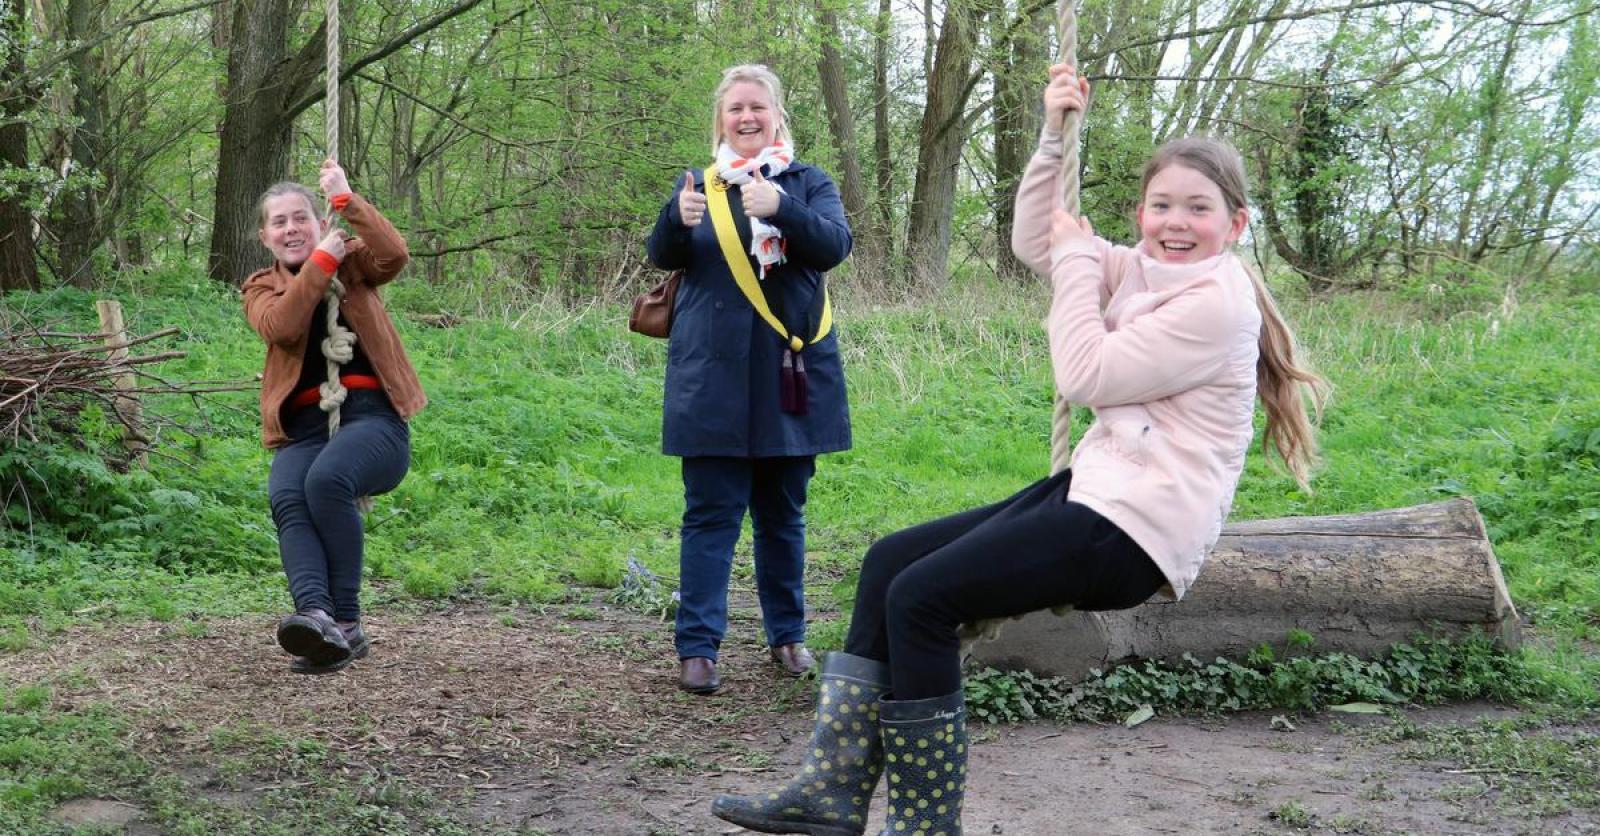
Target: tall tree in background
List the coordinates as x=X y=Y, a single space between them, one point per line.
x=80 y=233
x=266 y=89
x=1317 y=164
x=841 y=127
x=18 y=269
x=256 y=127
x=1578 y=79
x=1493 y=100
x=939 y=141
x=882 y=156
x=1017 y=119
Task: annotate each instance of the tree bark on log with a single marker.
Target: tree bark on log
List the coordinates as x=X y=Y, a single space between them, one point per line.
x=1356 y=583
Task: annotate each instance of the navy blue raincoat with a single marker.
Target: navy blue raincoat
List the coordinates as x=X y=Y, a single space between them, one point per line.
x=723 y=359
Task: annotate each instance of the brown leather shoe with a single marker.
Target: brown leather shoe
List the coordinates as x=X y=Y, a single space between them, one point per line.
x=698 y=675
x=794 y=658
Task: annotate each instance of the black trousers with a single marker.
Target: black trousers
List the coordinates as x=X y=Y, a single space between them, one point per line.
x=1031 y=551
x=313 y=488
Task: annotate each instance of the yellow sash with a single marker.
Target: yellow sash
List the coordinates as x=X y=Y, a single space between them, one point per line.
x=739 y=263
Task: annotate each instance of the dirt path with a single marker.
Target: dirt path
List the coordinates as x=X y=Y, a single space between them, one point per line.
x=568 y=723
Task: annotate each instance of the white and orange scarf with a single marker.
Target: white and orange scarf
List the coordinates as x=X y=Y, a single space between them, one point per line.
x=766 y=240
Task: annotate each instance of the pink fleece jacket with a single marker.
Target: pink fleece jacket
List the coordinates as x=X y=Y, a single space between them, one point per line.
x=1165 y=356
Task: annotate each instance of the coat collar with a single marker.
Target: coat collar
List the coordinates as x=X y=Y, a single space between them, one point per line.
x=796 y=166
x=1162 y=275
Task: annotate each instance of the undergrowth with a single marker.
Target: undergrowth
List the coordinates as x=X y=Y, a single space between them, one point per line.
x=536 y=467
x=1423 y=671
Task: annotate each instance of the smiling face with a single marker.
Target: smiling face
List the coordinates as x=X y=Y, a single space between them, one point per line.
x=748 y=120
x=289 y=228
x=1184 y=217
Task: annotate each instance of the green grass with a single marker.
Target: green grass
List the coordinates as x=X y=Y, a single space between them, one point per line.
x=1535 y=770
x=536 y=467
x=48 y=755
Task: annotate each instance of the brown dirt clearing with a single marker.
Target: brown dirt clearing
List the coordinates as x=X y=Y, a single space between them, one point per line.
x=567 y=724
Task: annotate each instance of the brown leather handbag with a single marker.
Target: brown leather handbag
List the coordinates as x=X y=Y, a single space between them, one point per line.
x=652 y=309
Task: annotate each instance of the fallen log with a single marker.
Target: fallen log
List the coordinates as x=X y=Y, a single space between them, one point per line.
x=1356 y=583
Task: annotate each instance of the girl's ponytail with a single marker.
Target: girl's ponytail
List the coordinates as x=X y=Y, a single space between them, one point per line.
x=1282 y=386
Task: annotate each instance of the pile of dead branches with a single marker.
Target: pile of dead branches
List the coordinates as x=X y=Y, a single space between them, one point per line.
x=44 y=371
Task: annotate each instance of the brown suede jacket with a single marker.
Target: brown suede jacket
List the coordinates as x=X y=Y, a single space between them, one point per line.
x=279 y=305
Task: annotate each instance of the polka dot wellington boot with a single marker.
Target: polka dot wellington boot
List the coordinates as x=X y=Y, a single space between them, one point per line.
x=925 y=758
x=830 y=795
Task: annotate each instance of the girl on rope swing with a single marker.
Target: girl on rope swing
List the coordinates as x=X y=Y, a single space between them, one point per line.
x=317 y=482
x=1169 y=342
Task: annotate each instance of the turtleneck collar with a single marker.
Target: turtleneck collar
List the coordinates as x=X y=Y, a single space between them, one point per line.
x=1162 y=275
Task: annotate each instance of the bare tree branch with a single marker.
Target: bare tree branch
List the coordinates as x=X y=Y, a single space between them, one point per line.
x=44 y=68
x=309 y=62
x=1319 y=11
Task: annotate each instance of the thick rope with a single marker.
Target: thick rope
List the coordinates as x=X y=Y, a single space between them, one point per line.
x=330 y=129
x=1067 y=38
x=1061 y=425
x=339 y=346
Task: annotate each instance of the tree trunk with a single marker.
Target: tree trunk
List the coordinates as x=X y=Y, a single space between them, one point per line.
x=80 y=230
x=267 y=89
x=939 y=144
x=882 y=158
x=1356 y=583
x=254 y=152
x=1018 y=115
x=18 y=269
x=1492 y=99
x=841 y=126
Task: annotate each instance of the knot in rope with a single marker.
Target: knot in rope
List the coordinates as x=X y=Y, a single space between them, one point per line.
x=339 y=347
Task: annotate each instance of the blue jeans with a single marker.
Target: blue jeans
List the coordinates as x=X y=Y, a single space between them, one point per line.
x=313 y=488
x=716 y=492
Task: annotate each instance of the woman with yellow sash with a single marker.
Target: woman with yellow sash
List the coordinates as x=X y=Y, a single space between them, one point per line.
x=754 y=384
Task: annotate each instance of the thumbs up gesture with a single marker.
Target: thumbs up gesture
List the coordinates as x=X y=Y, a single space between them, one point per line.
x=760 y=197
x=691 y=204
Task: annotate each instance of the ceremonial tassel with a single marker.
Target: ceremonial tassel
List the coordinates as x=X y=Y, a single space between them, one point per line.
x=786 y=383
x=801 y=401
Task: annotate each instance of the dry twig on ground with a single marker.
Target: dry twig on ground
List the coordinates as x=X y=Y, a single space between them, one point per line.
x=42 y=370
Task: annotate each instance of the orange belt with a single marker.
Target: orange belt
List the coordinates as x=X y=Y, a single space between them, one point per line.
x=309 y=396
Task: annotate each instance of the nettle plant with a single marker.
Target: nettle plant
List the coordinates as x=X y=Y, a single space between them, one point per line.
x=1426 y=670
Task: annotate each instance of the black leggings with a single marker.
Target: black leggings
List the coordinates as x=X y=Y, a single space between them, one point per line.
x=313 y=486
x=1029 y=552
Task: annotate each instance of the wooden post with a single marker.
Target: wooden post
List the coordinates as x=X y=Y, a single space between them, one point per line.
x=127 y=405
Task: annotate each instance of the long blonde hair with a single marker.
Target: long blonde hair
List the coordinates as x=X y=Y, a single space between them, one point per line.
x=1283 y=384
x=759 y=74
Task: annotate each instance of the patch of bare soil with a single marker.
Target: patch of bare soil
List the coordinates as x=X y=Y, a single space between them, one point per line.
x=548 y=723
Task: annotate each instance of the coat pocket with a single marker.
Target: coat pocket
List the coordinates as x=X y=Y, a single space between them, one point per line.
x=1129 y=427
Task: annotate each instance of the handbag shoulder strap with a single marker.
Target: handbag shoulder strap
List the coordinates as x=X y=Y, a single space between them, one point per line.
x=739 y=264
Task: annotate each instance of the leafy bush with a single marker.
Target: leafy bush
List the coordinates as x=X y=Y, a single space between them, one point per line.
x=1426 y=670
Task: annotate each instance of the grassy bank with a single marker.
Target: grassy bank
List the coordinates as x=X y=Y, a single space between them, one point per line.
x=536 y=466
x=536 y=477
